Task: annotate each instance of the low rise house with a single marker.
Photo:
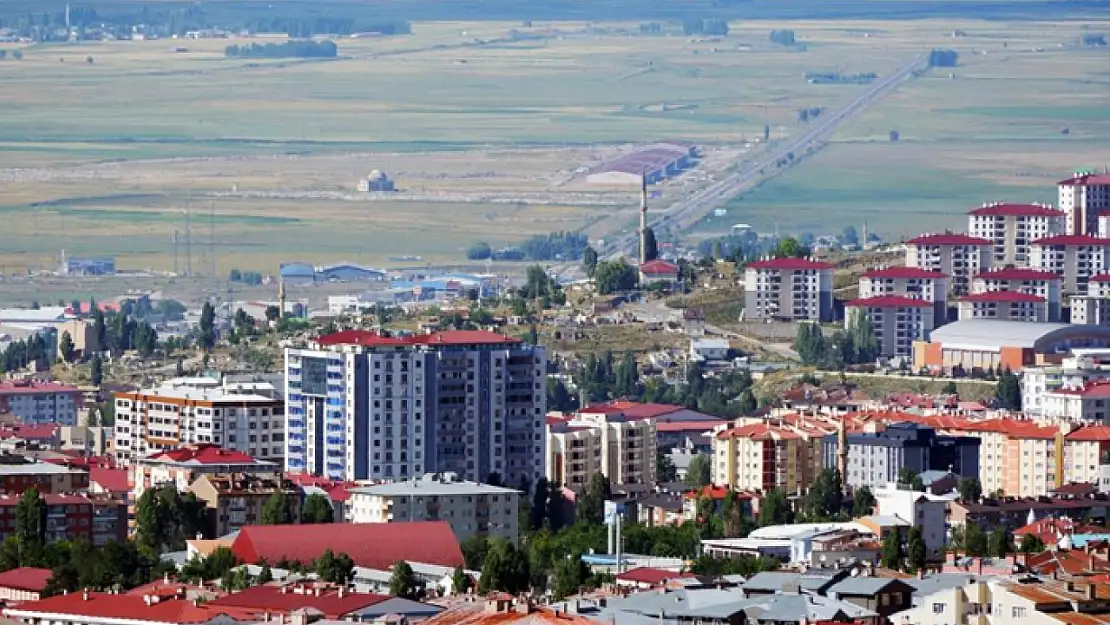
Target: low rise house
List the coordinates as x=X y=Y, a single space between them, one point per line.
x=23 y=584
x=235 y=500
x=658 y=272
x=709 y=350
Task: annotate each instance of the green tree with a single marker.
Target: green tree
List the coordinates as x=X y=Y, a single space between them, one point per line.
x=506 y=569
x=589 y=261
x=975 y=541
x=65 y=347
x=474 y=551
x=276 y=510
x=100 y=329
x=265 y=576
x=30 y=527
x=698 y=473
x=1008 y=392
x=863 y=502
x=338 y=569
x=165 y=519
x=746 y=403
x=591 y=504
x=810 y=344
x=665 y=471
x=571 y=574
x=825 y=499
x=864 y=340
x=460 y=581
x=909 y=477
x=891 y=557
x=949 y=388
x=613 y=276
x=402 y=583
x=206 y=329
x=317 y=509
x=791 y=248
x=1031 y=543
x=9 y=553
x=273 y=313
x=96 y=371
x=651 y=246
x=970 y=489
x=145 y=340
x=916 y=553
x=1001 y=543
x=775 y=509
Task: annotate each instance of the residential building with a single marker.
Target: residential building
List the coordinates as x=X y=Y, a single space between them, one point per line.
x=234 y=500
x=709 y=350
x=1074 y=371
x=1094 y=305
x=186 y=411
x=760 y=456
x=95 y=520
x=108 y=608
x=1086 y=403
x=898 y=321
x=18 y=474
x=23 y=584
x=36 y=401
x=919 y=509
x=795 y=289
x=362 y=405
x=471 y=508
x=612 y=439
x=876 y=457
x=1043 y=284
x=327 y=600
x=1083 y=197
x=658 y=272
x=958 y=256
x=912 y=282
x=83 y=334
x=1011 y=227
x=87 y=440
x=1003 y=305
x=948 y=599
x=1075 y=258
x=990 y=343
x=370 y=545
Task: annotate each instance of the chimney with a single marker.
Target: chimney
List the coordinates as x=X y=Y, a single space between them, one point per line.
x=316 y=591
x=147 y=599
x=1092 y=591
x=85 y=594
x=980 y=566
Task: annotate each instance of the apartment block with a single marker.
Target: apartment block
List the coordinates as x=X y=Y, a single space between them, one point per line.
x=1005 y=305
x=1012 y=227
x=36 y=401
x=362 y=405
x=1075 y=258
x=875 y=457
x=181 y=467
x=796 y=289
x=95 y=520
x=1083 y=198
x=1043 y=284
x=472 y=509
x=898 y=321
x=187 y=411
x=19 y=474
x=1074 y=371
x=1089 y=403
x=958 y=256
x=609 y=439
x=763 y=456
x=1093 y=307
x=919 y=509
x=234 y=500
x=912 y=282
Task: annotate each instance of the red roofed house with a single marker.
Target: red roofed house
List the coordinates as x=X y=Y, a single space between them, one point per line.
x=958 y=256
x=1044 y=284
x=898 y=321
x=646 y=578
x=23 y=584
x=104 y=608
x=658 y=271
x=1007 y=305
x=331 y=601
x=1010 y=227
x=1083 y=198
x=794 y=289
x=372 y=545
x=1093 y=306
x=615 y=439
x=1076 y=258
x=931 y=286
x=764 y=456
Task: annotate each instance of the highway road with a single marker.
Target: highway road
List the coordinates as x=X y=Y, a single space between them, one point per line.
x=688 y=210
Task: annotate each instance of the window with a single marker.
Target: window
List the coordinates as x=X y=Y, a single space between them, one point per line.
x=938 y=608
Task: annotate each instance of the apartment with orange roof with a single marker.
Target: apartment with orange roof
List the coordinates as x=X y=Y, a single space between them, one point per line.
x=763 y=456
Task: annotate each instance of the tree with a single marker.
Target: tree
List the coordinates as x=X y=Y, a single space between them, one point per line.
x=949 y=388
x=863 y=502
x=65 y=347
x=265 y=576
x=916 y=553
x=146 y=339
x=403 y=582
x=810 y=344
x=460 y=581
x=506 y=569
x=894 y=136
x=975 y=541
x=864 y=342
x=971 y=490
x=337 y=569
x=571 y=574
x=206 y=329
x=591 y=505
x=746 y=403
x=909 y=477
x=891 y=557
x=1031 y=543
x=665 y=471
x=273 y=313
x=775 y=509
x=791 y=248
x=474 y=551
x=276 y=510
x=96 y=371
x=825 y=499
x=317 y=509
x=479 y=251
x=651 y=246
x=100 y=329
x=850 y=236
x=1008 y=392
x=165 y=519
x=613 y=276
x=699 y=470
x=30 y=527
x=1001 y=543
x=589 y=261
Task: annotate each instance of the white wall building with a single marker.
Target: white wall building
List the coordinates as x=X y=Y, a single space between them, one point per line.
x=36 y=401
x=958 y=256
x=1082 y=197
x=1087 y=403
x=709 y=349
x=600 y=439
x=1094 y=306
x=798 y=289
x=898 y=321
x=1081 y=367
x=1005 y=305
x=1010 y=228
x=1075 y=258
x=921 y=509
x=1043 y=284
x=912 y=282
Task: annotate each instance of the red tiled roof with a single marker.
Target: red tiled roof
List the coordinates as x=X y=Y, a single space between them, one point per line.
x=758 y=431
x=903 y=272
x=948 y=238
x=1102 y=277
x=45 y=431
x=1017 y=273
x=713 y=492
x=453 y=337
x=1090 y=389
x=52 y=499
x=372 y=545
x=1090 y=433
x=888 y=301
x=649 y=575
x=276 y=598
x=34 y=387
x=1002 y=296
x=1085 y=179
x=630 y=409
x=688 y=426
x=103 y=605
x=202 y=453
x=789 y=263
x=1071 y=239
x=26 y=578
x=1016 y=210
x=655 y=267
x=475 y=614
x=111 y=480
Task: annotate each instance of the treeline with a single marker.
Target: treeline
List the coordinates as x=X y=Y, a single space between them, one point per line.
x=296 y=27
x=836 y=78
x=300 y=49
x=252 y=278
x=705 y=26
x=943 y=58
x=855 y=345
x=541 y=247
x=748 y=246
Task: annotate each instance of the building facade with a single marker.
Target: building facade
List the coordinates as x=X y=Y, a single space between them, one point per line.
x=1004 y=305
x=1075 y=258
x=187 y=411
x=912 y=282
x=361 y=405
x=472 y=509
x=95 y=520
x=1043 y=284
x=1082 y=198
x=761 y=456
x=919 y=509
x=796 y=289
x=958 y=256
x=17 y=475
x=898 y=321
x=1011 y=227
x=36 y=401
x=875 y=458
x=600 y=439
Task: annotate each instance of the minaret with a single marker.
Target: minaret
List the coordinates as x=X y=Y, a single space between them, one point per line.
x=842 y=451
x=643 y=218
x=281 y=298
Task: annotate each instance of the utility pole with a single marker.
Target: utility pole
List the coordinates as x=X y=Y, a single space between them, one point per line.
x=188 y=248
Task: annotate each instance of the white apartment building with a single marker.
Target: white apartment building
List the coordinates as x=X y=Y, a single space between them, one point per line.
x=1094 y=306
x=898 y=321
x=1012 y=227
x=967 y=603
x=37 y=401
x=244 y=417
x=913 y=282
x=471 y=508
x=1082 y=198
x=921 y=509
x=958 y=256
x=797 y=289
x=1006 y=305
x=365 y=406
x=1075 y=371
x=1087 y=403
x=1075 y=258
x=1044 y=284
x=601 y=439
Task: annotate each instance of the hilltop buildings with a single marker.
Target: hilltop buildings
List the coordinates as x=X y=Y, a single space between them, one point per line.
x=615 y=439
x=795 y=289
